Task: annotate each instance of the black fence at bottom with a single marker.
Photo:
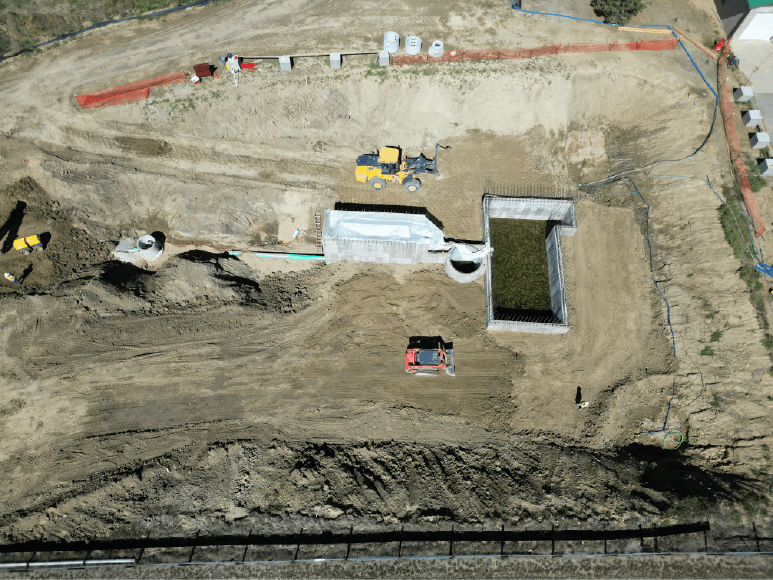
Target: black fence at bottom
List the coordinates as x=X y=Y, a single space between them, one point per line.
x=348 y=537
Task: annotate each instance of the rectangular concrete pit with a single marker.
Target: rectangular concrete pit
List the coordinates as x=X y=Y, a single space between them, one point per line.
x=335 y=60
x=766 y=167
x=285 y=63
x=542 y=209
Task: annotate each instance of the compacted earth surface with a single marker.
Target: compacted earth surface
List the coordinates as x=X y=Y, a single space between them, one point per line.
x=212 y=393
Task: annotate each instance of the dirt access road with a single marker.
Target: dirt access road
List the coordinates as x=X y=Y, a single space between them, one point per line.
x=214 y=393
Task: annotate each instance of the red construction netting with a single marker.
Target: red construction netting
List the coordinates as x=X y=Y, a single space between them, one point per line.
x=409 y=58
x=481 y=55
x=665 y=44
x=623 y=46
x=726 y=105
x=453 y=56
x=506 y=54
x=127 y=93
x=545 y=50
x=713 y=54
x=514 y=53
x=587 y=47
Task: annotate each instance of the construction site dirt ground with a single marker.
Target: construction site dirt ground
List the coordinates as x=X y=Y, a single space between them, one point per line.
x=208 y=393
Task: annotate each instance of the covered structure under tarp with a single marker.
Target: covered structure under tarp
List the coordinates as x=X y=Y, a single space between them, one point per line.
x=383 y=237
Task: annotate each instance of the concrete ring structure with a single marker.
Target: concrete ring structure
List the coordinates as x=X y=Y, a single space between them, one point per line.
x=464 y=277
x=149 y=248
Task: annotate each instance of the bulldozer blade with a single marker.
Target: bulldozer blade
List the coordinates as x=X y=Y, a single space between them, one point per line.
x=450 y=369
x=427 y=373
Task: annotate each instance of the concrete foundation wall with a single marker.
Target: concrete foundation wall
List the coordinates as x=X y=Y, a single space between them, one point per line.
x=381 y=252
x=561 y=210
x=556 y=274
x=540 y=328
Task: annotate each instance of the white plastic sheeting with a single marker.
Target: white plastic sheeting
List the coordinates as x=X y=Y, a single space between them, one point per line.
x=386 y=227
x=381 y=237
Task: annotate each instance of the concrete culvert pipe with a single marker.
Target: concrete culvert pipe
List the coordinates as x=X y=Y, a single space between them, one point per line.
x=461 y=267
x=149 y=248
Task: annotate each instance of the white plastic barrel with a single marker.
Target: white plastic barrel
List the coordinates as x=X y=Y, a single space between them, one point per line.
x=391 y=42
x=436 y=50
x=413 y=45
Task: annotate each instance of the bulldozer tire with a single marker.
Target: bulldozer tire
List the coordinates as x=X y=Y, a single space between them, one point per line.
x=412 y=185
x=377 y=183
x=26 y=252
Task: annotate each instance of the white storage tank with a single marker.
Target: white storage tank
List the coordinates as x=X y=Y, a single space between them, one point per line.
x=436 y=50
x=413 y=45
x=391 y=42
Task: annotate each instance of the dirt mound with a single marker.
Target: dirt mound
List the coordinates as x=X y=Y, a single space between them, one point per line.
x=69 y=252
x=202 y=280
x=229 y=487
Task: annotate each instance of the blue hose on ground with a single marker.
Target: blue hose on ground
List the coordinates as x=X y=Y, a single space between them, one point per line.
x=610 y=179
x=654 y=280
x=652 y=267
x=105 y=23
x=668 y=411
x=617 y=25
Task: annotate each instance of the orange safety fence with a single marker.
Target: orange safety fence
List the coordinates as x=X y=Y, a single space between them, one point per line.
x=623 y=46
x=514 y=53
x=587 y=47
x=665 y=44
x=453 y=56
x=409 y=58
x=481 y=55
x=711 y=53
x=127 y=93
x=545 y=50
x=726 y=105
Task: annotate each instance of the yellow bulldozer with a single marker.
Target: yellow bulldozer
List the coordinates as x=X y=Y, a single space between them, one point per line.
x=378 y=168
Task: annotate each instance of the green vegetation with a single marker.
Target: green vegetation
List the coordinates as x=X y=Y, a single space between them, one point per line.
x=716 y=335
x=617 y=11
x=688 y=509
x=767 y=342
x=24 y=23
x=753 y=171
x=739 y=238
x=706 y=351
x=521 y=278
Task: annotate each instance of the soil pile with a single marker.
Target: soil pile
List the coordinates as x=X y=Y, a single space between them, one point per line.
x=70 y=253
